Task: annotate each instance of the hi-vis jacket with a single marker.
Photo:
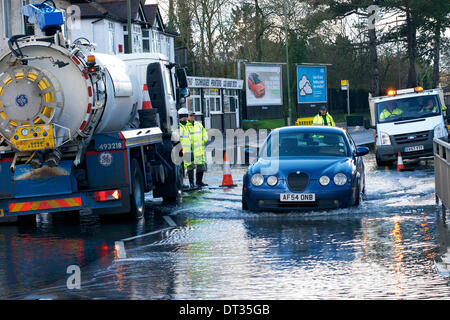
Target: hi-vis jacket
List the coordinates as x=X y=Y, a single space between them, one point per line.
x=318 y=120
x=386 y=113
x=199 y=137
x=185 y=139
x=193 y=138
x=435 y=109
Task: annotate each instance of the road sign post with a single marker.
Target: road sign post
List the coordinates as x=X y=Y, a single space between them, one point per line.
x=345 y=85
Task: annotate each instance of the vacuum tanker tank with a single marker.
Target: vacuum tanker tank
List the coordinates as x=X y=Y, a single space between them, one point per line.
x=51 y=96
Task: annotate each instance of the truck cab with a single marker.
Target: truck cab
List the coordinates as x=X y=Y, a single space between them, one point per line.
x=406 y=121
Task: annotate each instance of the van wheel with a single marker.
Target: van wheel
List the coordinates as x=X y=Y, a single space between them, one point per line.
x=381 y=163
x=137 y=202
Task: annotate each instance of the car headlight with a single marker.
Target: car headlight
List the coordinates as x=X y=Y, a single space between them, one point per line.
x=440 y=131
x=384 y=139
x=324 y=180
x=272 y=180
x=340 y=179
x=257 y=179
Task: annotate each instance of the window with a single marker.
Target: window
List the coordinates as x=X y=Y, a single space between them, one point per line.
x=230 y=101
x=146 y=40
x=125 y=39
x=213 y=98
x=305 y=144
x=409 y=108
x=137 y=38
x=194 y=102
x=156 y=41
x=28 y=28
x=111 y=38
x=169 y=83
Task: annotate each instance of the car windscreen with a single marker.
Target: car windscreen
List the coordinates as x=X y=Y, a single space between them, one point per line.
x=407 y=108
x=256 y=78
x=305 y=144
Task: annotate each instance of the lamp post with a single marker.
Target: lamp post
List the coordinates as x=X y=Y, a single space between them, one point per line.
x=238 y=62
x=398 y=48
x=130 y=40
x=287 y=63
x=239 y=114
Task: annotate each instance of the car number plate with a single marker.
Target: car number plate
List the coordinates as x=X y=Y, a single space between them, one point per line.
x=415 y=148
x=297 y=197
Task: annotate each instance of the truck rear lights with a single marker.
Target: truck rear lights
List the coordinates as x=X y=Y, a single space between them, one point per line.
x=107 y=195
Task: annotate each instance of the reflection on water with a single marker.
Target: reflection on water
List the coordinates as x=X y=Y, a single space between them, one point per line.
x=385 y=249
x=37 y=256
x=281 y=257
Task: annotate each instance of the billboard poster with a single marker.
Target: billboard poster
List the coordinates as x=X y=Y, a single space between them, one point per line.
x=263 y=85
x=311 y=84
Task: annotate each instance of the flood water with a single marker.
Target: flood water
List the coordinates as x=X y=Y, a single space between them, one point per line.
x=387 y=248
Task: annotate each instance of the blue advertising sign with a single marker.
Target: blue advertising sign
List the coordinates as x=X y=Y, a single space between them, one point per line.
x=311 y=84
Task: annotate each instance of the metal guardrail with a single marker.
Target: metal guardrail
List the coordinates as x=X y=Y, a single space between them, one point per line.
x=442 y=172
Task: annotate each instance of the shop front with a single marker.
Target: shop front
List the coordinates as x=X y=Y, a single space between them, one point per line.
x=215 y=101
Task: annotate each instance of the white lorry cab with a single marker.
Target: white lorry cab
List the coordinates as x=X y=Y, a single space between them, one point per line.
x=406 y=121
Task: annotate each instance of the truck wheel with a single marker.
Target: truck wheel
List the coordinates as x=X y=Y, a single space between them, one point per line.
x=177 y=187
x=28 y=219
x=137 y=202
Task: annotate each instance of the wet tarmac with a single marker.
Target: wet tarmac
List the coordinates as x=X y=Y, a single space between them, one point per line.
x=208 y=248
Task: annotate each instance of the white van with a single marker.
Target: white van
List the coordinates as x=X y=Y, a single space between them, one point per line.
x=406 y=121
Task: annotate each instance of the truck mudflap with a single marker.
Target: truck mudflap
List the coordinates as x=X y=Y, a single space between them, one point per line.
x=76 y=201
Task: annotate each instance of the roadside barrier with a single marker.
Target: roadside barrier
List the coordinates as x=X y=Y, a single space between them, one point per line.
x=442 y=173
x=307 y=121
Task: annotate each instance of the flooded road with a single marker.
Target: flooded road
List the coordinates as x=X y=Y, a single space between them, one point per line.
x=387 y=248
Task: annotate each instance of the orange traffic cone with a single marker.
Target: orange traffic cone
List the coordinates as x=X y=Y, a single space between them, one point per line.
x=400 y=165
x=227 y=180
x=146 y=102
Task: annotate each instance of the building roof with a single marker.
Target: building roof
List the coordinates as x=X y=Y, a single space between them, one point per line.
x=117 y=10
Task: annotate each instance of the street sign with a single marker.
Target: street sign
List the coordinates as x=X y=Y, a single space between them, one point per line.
x=345 y=86
x=311 y=84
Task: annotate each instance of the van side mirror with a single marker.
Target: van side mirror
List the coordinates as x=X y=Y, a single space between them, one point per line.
x=182 y=77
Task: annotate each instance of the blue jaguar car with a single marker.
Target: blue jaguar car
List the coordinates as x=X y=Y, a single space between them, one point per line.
x=306 y=168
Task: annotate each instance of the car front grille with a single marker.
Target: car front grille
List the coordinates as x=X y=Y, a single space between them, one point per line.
x=298 y=181
x=411 y=137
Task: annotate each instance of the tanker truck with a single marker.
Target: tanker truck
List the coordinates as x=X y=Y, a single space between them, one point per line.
x=73 y=132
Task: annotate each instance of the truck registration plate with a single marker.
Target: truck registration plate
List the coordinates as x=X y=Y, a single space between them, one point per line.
x=297 y=197
x=415 y=148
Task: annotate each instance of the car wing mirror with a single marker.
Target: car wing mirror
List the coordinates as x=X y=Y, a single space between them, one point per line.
x=361 y=151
